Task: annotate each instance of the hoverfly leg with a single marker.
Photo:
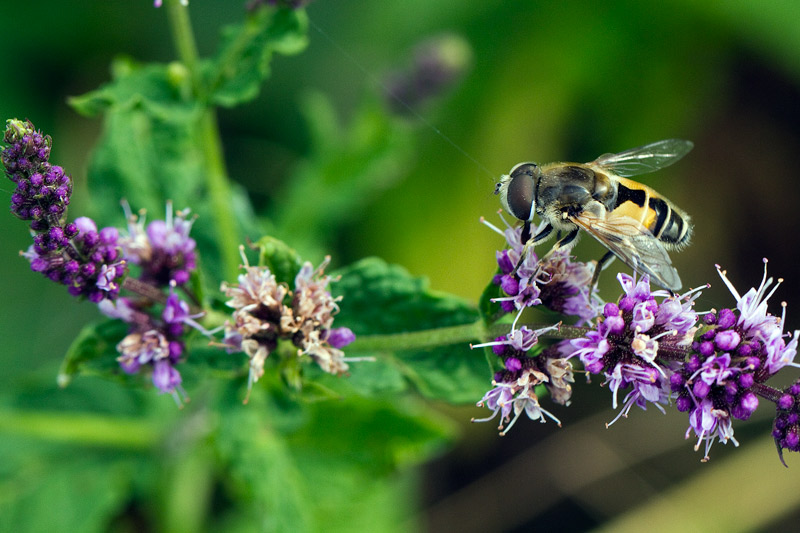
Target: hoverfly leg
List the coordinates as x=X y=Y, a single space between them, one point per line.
x=566 y=242
x=542 y=235
x=601 y=265
x=530 y=242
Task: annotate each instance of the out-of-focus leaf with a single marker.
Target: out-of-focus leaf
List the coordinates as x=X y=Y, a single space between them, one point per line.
x=95 y=345
x=381 y=299
x=334 y=469
x=151 y=151
x=349 y=454
x=348 y=166
x=204 y=361
x=282 y=260
x=263 y=473
x=242 y=63
x=79 y=494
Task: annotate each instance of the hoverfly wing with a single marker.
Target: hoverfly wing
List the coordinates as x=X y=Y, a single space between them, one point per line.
x=644 y=159
x=633 y=244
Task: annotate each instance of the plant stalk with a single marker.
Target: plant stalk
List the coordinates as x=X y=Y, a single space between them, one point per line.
x=219 y=189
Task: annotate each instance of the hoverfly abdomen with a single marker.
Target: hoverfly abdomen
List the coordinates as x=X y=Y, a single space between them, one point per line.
x=654 y=212
x=671 y=226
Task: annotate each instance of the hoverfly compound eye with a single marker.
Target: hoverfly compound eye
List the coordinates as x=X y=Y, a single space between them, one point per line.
x=521 y=188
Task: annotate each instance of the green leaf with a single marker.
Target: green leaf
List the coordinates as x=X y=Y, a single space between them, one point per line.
x=490 y=310
x=385 y=300
x=242 y=63
x=282 y=260
x=94 y=346
x=149 y=149
x=349 y=453
x=334 y=469
x=263 y=473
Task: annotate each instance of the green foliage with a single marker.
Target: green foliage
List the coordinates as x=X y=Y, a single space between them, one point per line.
x=150 y=147
x=93 y=350
x=332 y=472
x=235 y=75
x=281 y=260
x=58 y=504
x=385 y=301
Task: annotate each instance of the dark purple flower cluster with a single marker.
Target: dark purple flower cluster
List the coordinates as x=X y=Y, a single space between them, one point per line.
x=93 y=263
x=42 y=190
x=739 y=350
x=437 y=64
x=89 y=262
x=786 y=428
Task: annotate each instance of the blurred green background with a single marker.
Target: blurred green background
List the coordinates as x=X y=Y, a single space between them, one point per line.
x=548 y=81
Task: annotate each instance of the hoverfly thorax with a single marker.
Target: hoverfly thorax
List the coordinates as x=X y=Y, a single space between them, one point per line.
x=519 y=194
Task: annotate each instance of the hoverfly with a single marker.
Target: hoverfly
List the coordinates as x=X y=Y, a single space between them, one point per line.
x=633 y=221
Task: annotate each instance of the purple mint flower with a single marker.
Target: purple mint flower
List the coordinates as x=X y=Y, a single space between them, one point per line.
x=159 y=3
x=740 y=350
x=558 y=283
x=340 y=337
x=437 y=65
x=267 y=312
x=513 y=364
x=155 y=343
x=163 y=249
x=499 y=399
x=518 y=341
x=515 y=392
x=89 y=264
x=73 y=254
x=710 y=424
x=786 y=427
x=638 y=343
x=513 y=389
x=165 y=377
x=120 y=309
x=176 y=315
x=568 y=289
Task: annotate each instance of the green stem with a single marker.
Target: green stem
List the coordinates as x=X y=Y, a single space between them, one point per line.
x=80 y=429
x=220 y=194
x=412 y=340
x=463 y=334
x=183 y=38
x=219 y=189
